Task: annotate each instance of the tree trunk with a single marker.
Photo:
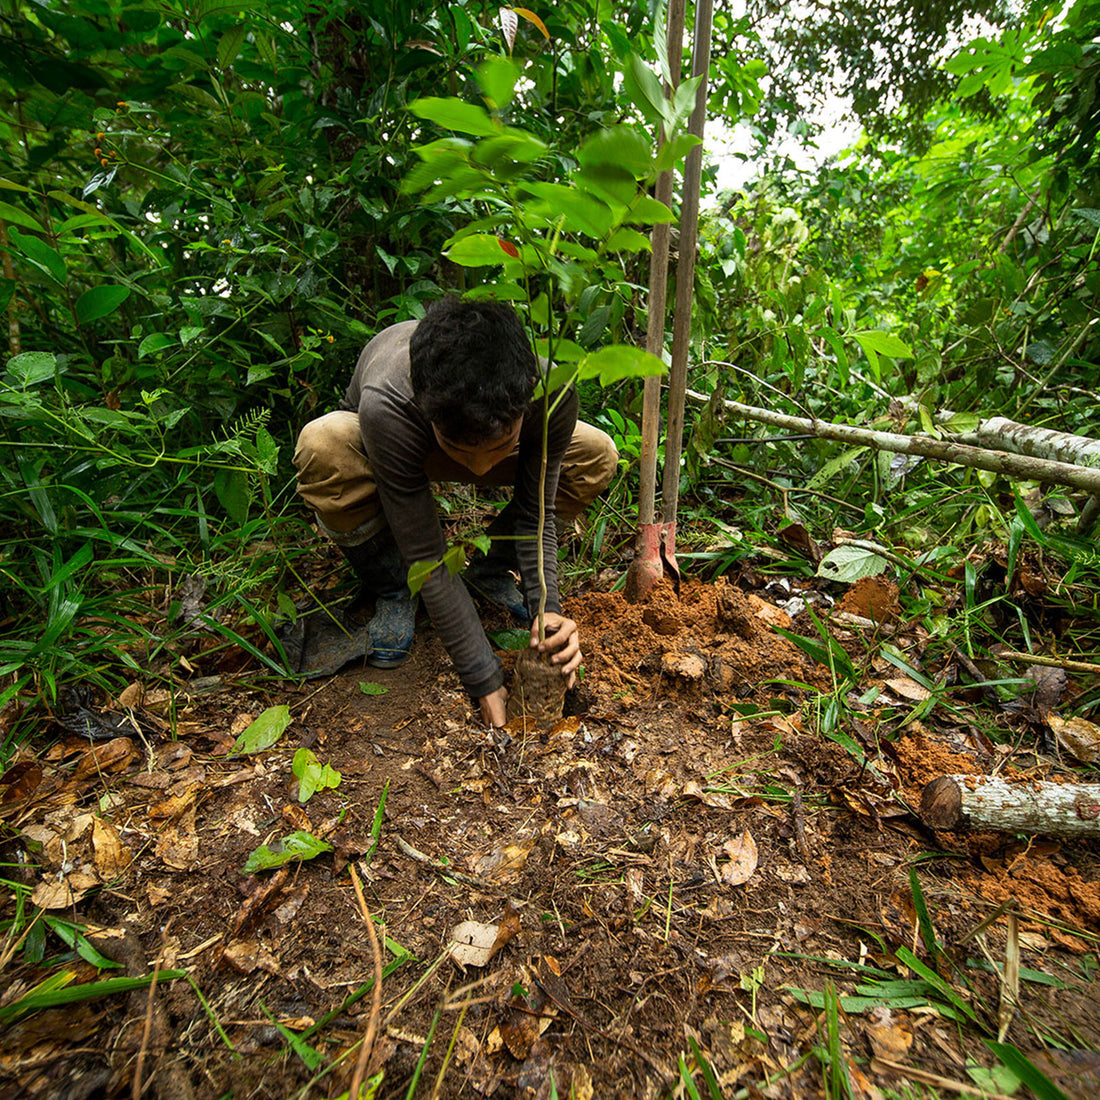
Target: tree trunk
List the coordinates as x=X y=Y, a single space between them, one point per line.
x=1023 y=467
x=989 y=802
x=1025 y=439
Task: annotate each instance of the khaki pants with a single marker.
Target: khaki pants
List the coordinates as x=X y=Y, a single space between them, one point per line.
x=335 y=477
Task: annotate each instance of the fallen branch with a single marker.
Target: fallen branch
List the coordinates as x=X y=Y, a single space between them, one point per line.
x=952 y=802
x=1022 y=467
x=1050 y=662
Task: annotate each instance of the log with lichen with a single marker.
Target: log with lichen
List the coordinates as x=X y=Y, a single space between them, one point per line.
x=1039 y=807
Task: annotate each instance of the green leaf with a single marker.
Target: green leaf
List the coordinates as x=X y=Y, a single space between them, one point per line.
x=625 y=239
x=99 y=302
x=1027 y=1071
x=620 y=146
x=189 y=333
x=30 y=368
x=497 y=77
x=229 y=45
x=645 y=90
x=882 y=343
x=961 y=423
x=674 y=150
x=418 y=574
x=476 y=250
x=41 y=253
x=368 y=688
x=297 y=846
x=454 y=114
x=15 y=216
x=582 y=211
x=618 y=361
x=312 y=775
x=154 y=342
x=231 y=489
x=48 y=995
x=850 y=564
x=645 y=210
x=514 y=638
x=264 y=731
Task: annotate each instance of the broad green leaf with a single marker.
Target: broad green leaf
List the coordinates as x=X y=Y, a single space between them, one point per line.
x=476 y=250
x=618 y=361
x=508 y=152
x=674 y=150
x=419 y=572
x=229 y=45
x=154 y=342
x=645 y=90
x=497 y=77
x=621 y=146
x=30 y=368
x=851 y=563
x=99 y=302
x=297 y=846
x=961 y=423
x=41 y=253
x=1026 y=1071
x=683 y=102
x=883 y=343
x=15 y=216
x=312 y=775
x=454 y=114
x=564 y=351
x=367 y=687
x=645 y=210
x=267 y=451
x=582 y=211
x=501 y=290
x=189 y=333
x=514 y=638
x=625 y=239
x=264 y=731
x=233 y=493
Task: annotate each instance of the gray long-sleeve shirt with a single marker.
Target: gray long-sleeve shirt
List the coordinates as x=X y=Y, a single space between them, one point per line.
x=405 y=459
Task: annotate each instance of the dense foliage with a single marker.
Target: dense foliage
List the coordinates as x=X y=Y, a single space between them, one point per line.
x=207 y=209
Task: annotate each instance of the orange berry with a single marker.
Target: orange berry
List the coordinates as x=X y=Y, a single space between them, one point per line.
x=104 y=161
x=99 y=136
x=98 y=151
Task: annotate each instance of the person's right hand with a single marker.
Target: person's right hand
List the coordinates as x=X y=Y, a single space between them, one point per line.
x=494 y=707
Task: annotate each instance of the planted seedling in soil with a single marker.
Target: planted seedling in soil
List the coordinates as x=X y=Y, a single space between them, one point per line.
x=558 y=244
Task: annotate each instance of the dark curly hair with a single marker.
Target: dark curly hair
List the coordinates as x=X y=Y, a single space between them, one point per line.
x=472 y=369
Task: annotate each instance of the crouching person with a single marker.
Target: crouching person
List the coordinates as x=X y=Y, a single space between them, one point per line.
x=449 y=398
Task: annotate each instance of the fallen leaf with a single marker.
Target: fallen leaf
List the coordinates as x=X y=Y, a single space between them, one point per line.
x=19 y=782
x=1077 y=736
x=131 y=696
x=112 y=756
x=891 y=1034
x=157 y=895
x=502 y=864
x=908 y=689
x=64 y=893
x=472 y=943
x=178 y=846
x=112 y=857
x=716 y=799
x=581 y=1088
x=743 y=859
x=248 y=955
x=265 y=731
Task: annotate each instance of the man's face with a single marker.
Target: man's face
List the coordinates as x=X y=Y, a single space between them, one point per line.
x=480 y=458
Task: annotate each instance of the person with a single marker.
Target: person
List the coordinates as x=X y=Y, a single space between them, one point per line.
x=451 y=398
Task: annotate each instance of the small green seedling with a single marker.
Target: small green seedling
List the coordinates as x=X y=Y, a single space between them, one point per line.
x=312 y=775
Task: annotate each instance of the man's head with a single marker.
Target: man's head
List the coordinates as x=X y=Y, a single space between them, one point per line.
x=472 y=369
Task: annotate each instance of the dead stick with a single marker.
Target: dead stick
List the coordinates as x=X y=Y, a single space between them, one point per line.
x=1032 y=806
x=914 y=1074
x=1052 y=662
x=376 y=993
x=139 y=1069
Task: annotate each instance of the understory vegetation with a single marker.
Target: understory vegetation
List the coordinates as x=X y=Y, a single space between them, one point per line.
x=206 y=210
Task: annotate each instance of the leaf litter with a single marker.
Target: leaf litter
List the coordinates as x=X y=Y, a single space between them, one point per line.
x=671 y=877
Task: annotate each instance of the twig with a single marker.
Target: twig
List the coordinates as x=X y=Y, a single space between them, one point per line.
x=376 y=993
x=445 y=871
x=139 y=1068
x=926 y=1078
x=1051 y=662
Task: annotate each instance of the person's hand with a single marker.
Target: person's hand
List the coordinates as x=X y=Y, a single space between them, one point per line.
x=494 y=708
x=563 y=641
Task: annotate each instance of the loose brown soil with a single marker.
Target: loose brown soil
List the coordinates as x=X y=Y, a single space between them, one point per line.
x=672 y=863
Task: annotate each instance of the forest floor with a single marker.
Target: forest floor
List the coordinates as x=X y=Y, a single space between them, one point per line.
x=681 y=889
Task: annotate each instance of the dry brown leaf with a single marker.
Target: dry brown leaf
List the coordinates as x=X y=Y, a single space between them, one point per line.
x=249 y=955
x=18 y=783
x=743 y=859
x=1077 y=736
x=112 y=857
x=581 y=1087
x=178 y=845
x=157 y=895
x=174 y=806
x=908 y=688
x=502 y=864
x=62 y=894
x=112 y=756
x=891 y=1034
x=131 y=696
x=717 y=799
x=472 y=943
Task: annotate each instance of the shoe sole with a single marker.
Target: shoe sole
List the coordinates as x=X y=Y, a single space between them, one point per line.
x=387 y=662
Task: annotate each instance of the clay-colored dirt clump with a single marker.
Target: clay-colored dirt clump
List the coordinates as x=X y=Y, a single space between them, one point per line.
x=874 y=598
x=703 y=639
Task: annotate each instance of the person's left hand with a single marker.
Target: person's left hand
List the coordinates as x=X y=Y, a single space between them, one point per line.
x=563 y=641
